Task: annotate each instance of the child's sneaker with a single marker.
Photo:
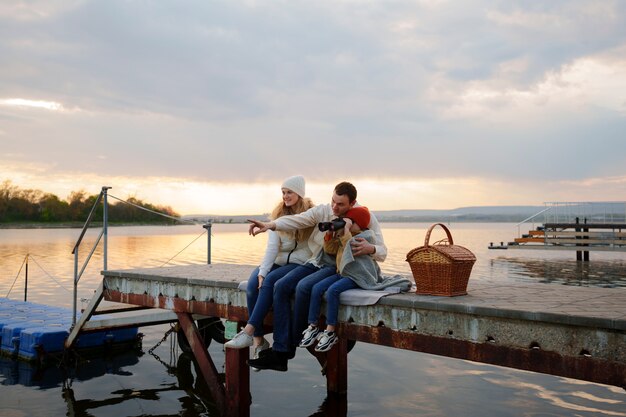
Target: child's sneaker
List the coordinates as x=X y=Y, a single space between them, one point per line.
x=327 y=340
x=310 y=336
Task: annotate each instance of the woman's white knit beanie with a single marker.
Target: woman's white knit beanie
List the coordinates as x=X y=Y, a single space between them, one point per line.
x=295 y=184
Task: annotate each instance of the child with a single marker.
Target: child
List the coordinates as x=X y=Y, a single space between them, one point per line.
x=353 y=272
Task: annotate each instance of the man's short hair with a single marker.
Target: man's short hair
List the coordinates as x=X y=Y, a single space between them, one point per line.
x=346 y=188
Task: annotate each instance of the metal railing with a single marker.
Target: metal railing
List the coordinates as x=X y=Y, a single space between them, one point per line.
x=529 y=219
x=103 y=233
x=586 y=212
x=103 y=197
x=592 y=212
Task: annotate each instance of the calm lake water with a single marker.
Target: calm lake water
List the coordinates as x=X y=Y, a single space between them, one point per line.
x=382 y=381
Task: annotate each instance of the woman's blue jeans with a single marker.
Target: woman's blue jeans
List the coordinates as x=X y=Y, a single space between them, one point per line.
x=260 y=299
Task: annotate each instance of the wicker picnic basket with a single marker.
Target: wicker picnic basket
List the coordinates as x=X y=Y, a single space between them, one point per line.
x=442 y=268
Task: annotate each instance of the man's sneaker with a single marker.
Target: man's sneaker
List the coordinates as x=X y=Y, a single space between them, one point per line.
x=276 y=361
x=257 y=352
x=310 y=336
x=327 y=340
x=240 y=341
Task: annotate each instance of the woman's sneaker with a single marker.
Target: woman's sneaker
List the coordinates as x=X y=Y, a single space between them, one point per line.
x=310 y=336
x=256 y=353
x=240 y=341
x=327 y=340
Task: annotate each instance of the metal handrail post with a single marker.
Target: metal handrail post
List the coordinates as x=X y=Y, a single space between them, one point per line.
x=105 y=225
x=207 y=226
x=74 y=304
x=26 y=280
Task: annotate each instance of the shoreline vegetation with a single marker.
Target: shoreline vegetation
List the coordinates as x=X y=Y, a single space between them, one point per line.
x=25 y=208
x=35 y=209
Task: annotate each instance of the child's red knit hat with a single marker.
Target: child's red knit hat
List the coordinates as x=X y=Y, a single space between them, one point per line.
x=359 y=215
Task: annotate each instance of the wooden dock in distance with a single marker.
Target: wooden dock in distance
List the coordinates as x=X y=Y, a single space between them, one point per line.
x=579 y=237
x=566 y=331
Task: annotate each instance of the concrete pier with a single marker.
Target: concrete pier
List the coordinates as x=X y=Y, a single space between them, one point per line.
x=566 y=331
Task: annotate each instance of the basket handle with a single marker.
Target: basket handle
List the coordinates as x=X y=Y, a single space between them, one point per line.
x=430 y=229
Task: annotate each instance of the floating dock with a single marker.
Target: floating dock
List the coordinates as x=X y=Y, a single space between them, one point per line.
x=575 y=226
x=566 y=331
x=582 y=238
x=35 y=332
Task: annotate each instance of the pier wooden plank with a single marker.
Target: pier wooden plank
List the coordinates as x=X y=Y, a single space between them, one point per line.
x=570 y=233
x=551 y=240
x=570 y=248
x=609 y=226
x=529 y=240
x=574 y=241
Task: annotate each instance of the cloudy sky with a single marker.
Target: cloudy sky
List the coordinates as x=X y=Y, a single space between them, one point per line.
x=208 y=105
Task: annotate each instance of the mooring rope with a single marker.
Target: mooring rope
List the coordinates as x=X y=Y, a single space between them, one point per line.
x=178 y=219
x=169 y=217
x=24 y=262
x=181 y=251
x=47 y=273
x=153 y=211
x=18 y=274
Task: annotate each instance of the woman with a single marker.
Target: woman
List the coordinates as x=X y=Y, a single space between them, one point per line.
x=284 y=252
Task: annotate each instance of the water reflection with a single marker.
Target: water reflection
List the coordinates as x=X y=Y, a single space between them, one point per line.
x=564 y=401
x=51 y=267
x=382 y=381
x=334 y=405
x=56 y=375
x=596 y=273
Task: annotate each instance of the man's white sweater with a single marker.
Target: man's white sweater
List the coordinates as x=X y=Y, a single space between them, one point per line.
x=324 y=213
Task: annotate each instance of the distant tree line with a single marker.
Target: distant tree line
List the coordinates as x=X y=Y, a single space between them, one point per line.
x=26 y=206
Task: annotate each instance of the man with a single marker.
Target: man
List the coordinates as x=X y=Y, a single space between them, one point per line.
x=287 y=332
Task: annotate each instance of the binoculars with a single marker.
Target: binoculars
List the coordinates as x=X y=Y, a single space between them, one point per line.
x=332 y=225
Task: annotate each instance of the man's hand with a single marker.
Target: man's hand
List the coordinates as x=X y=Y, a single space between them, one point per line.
x=361 y=246
x=261 y=226
x=260 y=278
x=346 y=228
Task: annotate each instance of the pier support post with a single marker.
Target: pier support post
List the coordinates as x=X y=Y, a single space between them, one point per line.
x=237 y=382
x=337 y=368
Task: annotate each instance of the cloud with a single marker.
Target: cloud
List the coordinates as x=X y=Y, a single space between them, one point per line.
x=41 y=104
x=246 y=92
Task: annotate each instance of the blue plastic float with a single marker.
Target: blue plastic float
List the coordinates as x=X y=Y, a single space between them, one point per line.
x=29 y=331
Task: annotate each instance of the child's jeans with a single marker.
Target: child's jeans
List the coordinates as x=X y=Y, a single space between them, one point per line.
x=333 y=286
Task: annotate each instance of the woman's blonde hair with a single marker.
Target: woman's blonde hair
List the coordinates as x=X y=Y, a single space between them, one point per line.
x=303 y=204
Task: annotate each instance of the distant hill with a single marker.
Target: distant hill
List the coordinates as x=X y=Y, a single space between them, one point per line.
x=215 y=218
x=461 y=214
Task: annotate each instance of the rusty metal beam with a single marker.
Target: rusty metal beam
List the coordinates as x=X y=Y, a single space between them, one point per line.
x=536 y=360
x=205 y=308
x=206 y=365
